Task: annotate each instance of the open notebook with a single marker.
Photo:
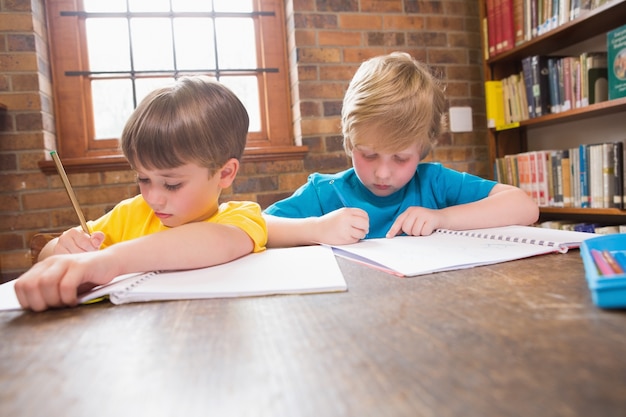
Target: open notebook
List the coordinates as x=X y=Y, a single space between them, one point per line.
x=272 y=272
x=446 y=250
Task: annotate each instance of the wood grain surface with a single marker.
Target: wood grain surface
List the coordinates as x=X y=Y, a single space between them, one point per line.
x=521 y=338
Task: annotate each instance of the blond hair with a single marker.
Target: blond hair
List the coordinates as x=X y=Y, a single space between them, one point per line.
x=399 y=96
x=195 y=120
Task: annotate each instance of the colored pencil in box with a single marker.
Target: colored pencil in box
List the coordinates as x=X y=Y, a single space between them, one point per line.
x=603 y=266
x=610 y=259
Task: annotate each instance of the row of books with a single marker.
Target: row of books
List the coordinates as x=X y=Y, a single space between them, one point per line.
x=509 y=23
x=547 y=85
x=587 y=227
x=586 y=176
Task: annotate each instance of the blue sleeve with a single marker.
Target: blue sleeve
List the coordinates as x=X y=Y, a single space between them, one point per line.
x=444 y=187
x=462 y=188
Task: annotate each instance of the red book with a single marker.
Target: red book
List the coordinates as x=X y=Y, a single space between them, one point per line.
x=508 y=25
x=491 y=27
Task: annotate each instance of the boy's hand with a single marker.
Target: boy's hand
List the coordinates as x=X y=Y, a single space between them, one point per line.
x=76 y=241
x=343 y=226
x=56 y=281
x=416 y=221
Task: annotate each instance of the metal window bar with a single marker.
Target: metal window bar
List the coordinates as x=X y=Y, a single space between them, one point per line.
x=133 y=75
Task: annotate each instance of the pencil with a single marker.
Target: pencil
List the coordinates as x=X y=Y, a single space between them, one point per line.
x=608 y=257
x=603 y=266
x=341 y=197
x=70 y=191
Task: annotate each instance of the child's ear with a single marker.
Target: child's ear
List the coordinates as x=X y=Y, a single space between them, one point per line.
x=228 y=172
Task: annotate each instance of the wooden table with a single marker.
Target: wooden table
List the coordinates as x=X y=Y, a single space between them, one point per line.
x=516 y=339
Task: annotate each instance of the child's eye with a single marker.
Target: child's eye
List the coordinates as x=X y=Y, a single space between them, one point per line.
x=172 y=187
x=401 y=159
x=143 y=180
x=370 y=156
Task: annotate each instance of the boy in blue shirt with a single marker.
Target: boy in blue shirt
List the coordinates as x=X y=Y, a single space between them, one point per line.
x=393 y=112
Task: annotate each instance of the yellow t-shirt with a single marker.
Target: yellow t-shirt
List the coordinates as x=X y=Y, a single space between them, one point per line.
x=134 y=218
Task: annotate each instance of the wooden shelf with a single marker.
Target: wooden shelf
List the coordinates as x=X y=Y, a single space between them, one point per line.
x=605 y=216
x=593 y=110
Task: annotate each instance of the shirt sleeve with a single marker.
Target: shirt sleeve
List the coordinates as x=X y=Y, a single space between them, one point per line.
x=247 y=216
x=461 y=187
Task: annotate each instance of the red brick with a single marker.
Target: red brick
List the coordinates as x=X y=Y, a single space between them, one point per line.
x=381 y=6
x=361 y=21
x=319 y=55
x=403 y=22
x=339 y=38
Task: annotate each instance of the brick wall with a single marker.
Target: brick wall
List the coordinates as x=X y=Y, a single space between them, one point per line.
x=326 y=42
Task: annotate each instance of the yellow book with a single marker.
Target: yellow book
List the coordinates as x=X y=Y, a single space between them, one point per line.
x=494 y=100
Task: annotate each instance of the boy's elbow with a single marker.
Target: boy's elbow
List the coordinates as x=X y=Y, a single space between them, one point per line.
x=531 y=210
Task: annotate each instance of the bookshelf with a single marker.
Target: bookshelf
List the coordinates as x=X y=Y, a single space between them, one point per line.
x=570 y=37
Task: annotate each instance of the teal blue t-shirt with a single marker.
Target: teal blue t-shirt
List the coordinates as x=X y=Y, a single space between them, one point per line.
x=433 y=186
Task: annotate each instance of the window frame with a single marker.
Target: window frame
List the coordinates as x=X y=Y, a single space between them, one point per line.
x=72 y=95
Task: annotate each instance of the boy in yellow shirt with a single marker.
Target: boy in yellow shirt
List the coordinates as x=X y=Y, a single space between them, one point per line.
x=185 y=143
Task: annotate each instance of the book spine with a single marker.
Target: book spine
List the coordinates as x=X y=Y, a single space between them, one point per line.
x=534 y=9
x=491 y=27
x=595 y=176
x=584 y=179
x=528 y=83
x=616 y=52
x=575 y=173
x=518 y=21
x=553 y=82
x=567 y=83
x=541 y=85
x=508 y=25
x=608 y=175
x=494 y=100
x=567 y=178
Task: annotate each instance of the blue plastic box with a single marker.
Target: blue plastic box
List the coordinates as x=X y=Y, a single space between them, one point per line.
x=606 y=292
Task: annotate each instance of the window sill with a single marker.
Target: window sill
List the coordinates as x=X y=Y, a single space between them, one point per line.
x=118 y=163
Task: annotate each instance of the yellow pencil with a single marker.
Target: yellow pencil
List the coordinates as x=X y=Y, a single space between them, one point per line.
x=70 y=191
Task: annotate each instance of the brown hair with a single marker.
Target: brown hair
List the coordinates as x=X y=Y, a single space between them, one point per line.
x=399 y=96
x=194 y=120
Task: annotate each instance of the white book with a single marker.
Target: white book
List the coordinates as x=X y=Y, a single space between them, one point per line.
x=447 y=250
x=298 y=270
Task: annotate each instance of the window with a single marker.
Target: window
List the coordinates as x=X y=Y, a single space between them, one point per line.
x=107 y=55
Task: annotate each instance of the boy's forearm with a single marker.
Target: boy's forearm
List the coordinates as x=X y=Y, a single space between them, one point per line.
x=508 y=207
x=286 y=232
x=195 y=245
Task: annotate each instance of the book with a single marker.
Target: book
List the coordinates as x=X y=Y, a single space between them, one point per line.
x=566 y=173
x=491 y=27
x=583 y=169
x=540 y=85
x=297 y=270
x=494 y=100
x=597 y=78
x=528 y=83
x=616 y=53
x=518 y=21
x=447 y=250
x=553 y=83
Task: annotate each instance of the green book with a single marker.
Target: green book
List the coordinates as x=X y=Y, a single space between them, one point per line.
x=616 y=51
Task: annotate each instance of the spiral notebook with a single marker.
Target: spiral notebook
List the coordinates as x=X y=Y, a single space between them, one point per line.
x=446 y=250
x=299 y=270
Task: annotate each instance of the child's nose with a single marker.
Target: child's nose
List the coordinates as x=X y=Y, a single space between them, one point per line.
x=153 y=197
x=382 y=171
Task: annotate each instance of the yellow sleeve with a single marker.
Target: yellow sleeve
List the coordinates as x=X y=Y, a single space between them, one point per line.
x=247 y=216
